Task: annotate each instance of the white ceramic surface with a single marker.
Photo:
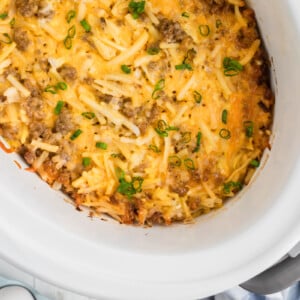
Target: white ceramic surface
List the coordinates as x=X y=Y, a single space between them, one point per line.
x=42 y=234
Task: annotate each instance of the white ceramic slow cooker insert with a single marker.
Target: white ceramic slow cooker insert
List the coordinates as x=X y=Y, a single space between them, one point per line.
x=44 y=235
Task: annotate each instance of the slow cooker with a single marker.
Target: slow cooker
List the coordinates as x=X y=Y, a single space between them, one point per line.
x=43 y=235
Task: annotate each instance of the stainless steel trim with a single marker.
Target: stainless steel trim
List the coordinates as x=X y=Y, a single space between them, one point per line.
x=275 y=279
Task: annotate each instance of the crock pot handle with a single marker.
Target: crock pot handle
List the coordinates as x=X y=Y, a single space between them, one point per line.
x=275 y=279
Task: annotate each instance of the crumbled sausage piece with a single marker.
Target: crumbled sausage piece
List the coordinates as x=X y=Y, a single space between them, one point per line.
x=68 y=73
x=180 y=190
x=27 y=8
x=64 y=123
x=21 y=38
x=171 y=31
x=29 y=157
x=214 y=6
x=34 y=107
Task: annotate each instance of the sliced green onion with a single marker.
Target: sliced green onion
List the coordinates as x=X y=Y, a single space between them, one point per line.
x=3 y=16
x=12 y=22
x=204 y=30
x=255 y=163
x=154 y=148
x=161 y=128
x=89 y=115
x=86 y=26
x=136 y=8
x=197 y=97
x=198 y=142
x=59 y=106
x=117 y=155
x=186 y=137
x=218 y=23
x=174 y=161
x=86 y=161
x=76 y=134
x=189 y=56
x=225 y=134
x=126 y=69
x=101 y=145
x=189 y=164
x=231 y=67
x=70 y=15
x=157 y=88
x=51 y=89
x=7 y=40
x=62 y=86
x=224 y=116
x=128 y=188
x=72 y=31
x=185 y=14
x=184 y=67
x=232 y=186
x=68 y=42
x=153 y=50
x=249 y=128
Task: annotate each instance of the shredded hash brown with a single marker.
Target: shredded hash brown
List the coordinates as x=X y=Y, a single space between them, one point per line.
x=151 y=112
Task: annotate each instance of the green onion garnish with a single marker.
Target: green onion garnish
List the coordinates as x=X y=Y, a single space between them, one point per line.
x=157 y=88
x=62 y=86
x=12 y=22
x=76 y=134
x=101 y=145
x=184 y=67
x=7 y=40
x=231 y=67
x=197 y=97
x=225 y=134
x=86 y=161
x=154 y=148
x=136 y=8
x=186 y=137
x=59 y=106
x=189 y=164
x=232 y=186
x=70 y=15
x=163 y=128
x=249 y=128
x=86 y=26
x=128 y=188
x=185 y=14
x=153 y=50
x=72 y=31
x=174 y=161
x=51 y=89
x=218 y=23
x=255 y=163
x=224 y=116
x=126 y=69
x=198 y=142
x=89 y=115
x=204 y=30
x=3 y=16
x=68 y=42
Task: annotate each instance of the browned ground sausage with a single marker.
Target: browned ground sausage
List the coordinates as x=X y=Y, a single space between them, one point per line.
x=27 y=8
x=64 y=123
x=21 y=38
x=34 y=107
x=214 y=6
x=171 y=31
x=68 y=73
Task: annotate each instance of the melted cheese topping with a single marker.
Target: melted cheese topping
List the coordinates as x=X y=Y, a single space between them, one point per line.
x=136 y=116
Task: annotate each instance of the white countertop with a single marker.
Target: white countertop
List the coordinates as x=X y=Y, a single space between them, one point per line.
x=53 y=293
